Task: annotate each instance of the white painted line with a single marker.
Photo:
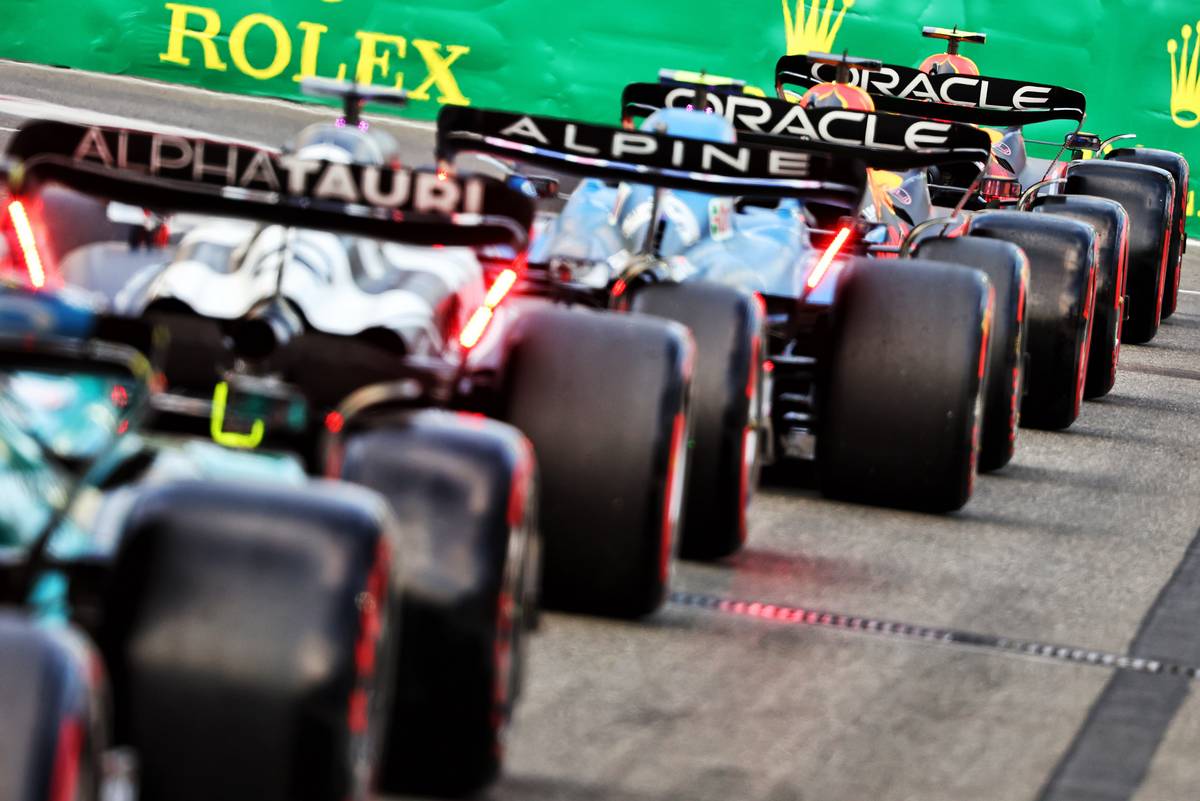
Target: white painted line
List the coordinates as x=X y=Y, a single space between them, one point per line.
x=41 y=110
x=1188 y=292
x=307 y=108
x=10 y=130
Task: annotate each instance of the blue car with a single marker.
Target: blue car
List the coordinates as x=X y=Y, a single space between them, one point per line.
x=805 y=350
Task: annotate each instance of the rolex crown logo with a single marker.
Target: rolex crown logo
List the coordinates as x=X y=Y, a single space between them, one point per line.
x=1185 y=80
x=811 y=29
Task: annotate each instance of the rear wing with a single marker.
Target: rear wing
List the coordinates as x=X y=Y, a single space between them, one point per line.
x=974 y=99
x=884 y=141
x=169 y=172
x=773 y=168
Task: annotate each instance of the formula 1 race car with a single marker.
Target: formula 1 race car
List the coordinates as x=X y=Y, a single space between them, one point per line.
x=294 y=296
x=1079 y=246
x=344 y=406
x=225 y=621
x=883 y=214
x=875 y=371
x=954 y=90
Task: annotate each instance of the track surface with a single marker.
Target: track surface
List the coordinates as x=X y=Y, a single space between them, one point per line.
x=1071 y=544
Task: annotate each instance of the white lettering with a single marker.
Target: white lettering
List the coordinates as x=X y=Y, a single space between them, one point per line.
x=757 y=113
x=571 y=144
x=955 y=81
x=1028 y=97
x=921 y=87
x=836 y=116
x=299 y=171
x=634 y=144
x=260 y=169
x=926 y=134
x=93 y=143
x=739 y=162
x=788 y=163
x=433 y=194
x=527 y=128
x=473 y=202
x=869 y=139
x=337 y=182
x=796 y=123
x=401 y=181
x=228 y=170
x=160 y=160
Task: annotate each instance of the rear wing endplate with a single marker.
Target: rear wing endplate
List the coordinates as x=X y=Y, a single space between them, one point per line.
x=169 y=172
x=884 y=141
x=975 y=99
x=760 y=169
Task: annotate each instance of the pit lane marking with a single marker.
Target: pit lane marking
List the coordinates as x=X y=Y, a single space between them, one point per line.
x=802 y=616
x=1111 y=753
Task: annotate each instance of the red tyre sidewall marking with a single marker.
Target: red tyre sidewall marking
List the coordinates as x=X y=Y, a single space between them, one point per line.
x=371 y=630
x=1119 y=303
x=672 y=497
x=1089 y=306
x=985 y=336
x=1162 y=278
x=1014 y=415
x=502 y=650
x=750 y=434
x=68 y=750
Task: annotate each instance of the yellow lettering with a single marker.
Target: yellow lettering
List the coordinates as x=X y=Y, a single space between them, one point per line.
x=439 y=72
x=180 y=31
x=237 y=46
x=369 y=58
x=310 y=49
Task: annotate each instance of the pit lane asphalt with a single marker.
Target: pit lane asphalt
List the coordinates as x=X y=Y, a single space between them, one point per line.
x=1070 y=544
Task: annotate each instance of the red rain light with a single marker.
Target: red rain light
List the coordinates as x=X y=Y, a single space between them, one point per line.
x=826 y=261
x=28 y=243
x=334 y=422
x=473 y=331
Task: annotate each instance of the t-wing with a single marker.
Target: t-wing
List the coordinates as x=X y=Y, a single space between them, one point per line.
x=169 y=172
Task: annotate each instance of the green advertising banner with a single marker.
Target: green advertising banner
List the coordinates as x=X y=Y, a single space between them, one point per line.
x=1137 y=62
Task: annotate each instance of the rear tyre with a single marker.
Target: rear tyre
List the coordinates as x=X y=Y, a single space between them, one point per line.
x=245 y=630
x=902 y=395
x=53 y=735
x=1111 y=224
x=1177 y=166
x=1148 y=196
x=1007 y=269
x=727 y=326
x=463 y=492
x=1062 y=293
x=603 y=399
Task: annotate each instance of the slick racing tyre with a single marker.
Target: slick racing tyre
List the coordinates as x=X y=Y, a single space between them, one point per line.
x=1007 y=269
x=902 y=391
x=1111 y=224
x=727 y=326
x=603 y=398
x=1062 y=293
x=53 y=713
x=245 y=630
x=463 y=491
x=1178 y=167
x=1148 y=196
